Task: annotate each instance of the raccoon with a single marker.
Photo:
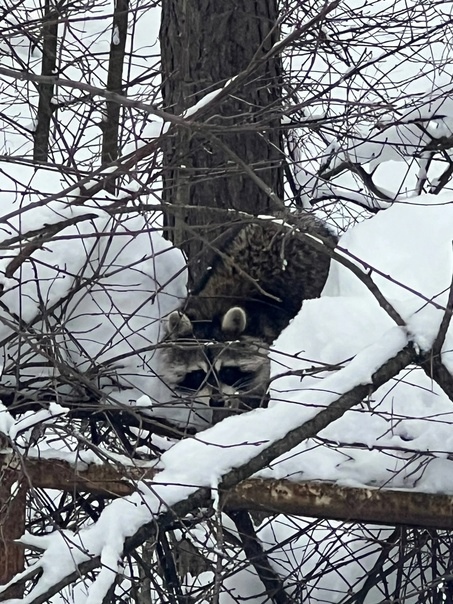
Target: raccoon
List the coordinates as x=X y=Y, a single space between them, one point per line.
x=228 y=374
x=218 y=341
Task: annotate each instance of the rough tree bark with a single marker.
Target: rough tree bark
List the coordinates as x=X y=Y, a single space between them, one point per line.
x=203 y=44
x=12 y=522
x=46 y=91
x=110 y=139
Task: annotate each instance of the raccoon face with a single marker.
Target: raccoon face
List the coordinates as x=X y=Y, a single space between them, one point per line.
x=229 y=376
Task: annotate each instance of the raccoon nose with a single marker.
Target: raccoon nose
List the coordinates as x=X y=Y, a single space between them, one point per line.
x=216 y=400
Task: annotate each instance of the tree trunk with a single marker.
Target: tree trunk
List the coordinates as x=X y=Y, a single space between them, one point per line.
x=111 y=125
x=49 y=34
x=203 y=44
x=12 y=526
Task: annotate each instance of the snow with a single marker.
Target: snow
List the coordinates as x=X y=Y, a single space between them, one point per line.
x=207 y=98
x=30 y=420
x=6 y=420
x=102 y=322
x=235 y=440
x=206 y=459
x=346 y=334
x=116 y=35
x=111 y=277
x=348 y=323
x=421 y=229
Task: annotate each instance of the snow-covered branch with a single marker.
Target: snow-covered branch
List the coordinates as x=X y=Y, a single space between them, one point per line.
x=213 y=461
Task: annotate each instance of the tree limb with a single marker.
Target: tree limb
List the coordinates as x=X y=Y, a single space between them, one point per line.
x=202 y=496
x=257 y=557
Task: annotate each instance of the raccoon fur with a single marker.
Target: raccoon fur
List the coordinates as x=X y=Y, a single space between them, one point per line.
x=218 y=341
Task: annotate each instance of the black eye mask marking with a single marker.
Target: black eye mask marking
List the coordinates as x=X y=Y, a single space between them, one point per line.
x=193 y=380
x=233 y=376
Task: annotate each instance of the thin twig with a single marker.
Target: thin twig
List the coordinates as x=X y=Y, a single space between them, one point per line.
x=446 y=319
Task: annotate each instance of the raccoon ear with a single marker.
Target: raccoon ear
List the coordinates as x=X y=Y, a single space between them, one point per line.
x=179 y=324
x=234 y=321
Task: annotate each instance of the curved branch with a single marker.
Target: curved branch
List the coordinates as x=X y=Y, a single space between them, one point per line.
x=202 y=496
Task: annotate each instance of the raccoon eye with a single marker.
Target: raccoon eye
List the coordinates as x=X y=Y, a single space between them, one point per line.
x=233 y=376
x=193 y=380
